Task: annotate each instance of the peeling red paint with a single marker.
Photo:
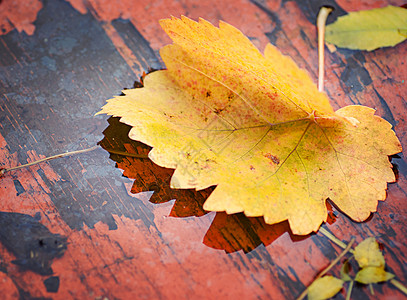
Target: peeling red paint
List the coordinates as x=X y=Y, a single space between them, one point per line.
x=145 y=15
x=7 y=284
x=18 y=14
x=35 y=198
x=168 y=259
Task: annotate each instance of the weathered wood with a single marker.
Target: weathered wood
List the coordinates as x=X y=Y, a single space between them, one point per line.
x=57 y=72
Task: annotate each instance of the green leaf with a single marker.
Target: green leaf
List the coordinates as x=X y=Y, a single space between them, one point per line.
x=324 y=288
x=345 y=271
x=369 y=29
x=372 y=275
x=368 y=254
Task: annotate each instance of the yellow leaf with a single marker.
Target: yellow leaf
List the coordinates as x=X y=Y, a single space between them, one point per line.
x=369 y=29
x=324 y=288
x=257 y=127
x=372 y=275
x=368 y=254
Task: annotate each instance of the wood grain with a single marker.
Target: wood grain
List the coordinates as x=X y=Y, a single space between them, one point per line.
x=121 y=242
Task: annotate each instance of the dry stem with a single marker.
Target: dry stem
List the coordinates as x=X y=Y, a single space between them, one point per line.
x=2 y=171
x=321 y=20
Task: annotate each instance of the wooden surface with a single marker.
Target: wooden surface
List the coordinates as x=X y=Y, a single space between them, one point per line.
x=88 y=226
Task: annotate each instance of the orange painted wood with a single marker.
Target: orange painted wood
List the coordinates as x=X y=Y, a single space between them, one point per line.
x=87 y=226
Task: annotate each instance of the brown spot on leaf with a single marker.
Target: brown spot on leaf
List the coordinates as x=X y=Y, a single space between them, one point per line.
x=273 y=158
x=218 y=110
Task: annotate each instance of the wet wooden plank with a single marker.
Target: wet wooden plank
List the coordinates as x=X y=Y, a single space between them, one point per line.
x=56 y=72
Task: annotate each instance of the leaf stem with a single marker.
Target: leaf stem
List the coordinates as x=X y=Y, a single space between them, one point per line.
x=321 y=20
x=349 y=290
x=333 y=238
x=326 y=270
x=371 y=289
x=399 y=285
x=2 y=171
x=123 y=153
x=337 y=259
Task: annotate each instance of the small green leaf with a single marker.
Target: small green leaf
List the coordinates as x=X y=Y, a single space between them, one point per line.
x=369 y=29
x=368 y=254
x=372 y=275
x=345 y=271
x=324 y=288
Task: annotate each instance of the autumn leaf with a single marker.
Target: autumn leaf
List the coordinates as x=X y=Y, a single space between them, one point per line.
x=368 y=254
x=369 y=29
x=256 y=127
x=324 y=288
x=371 y=262
x=373 y=275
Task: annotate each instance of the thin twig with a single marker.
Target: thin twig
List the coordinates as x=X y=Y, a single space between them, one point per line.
x=123 y=153
x=333 y=238
x=321 y=20
x=326 y=270
x=2 y=171
x=337 y=259
x=399 y=285
x=349 y=290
